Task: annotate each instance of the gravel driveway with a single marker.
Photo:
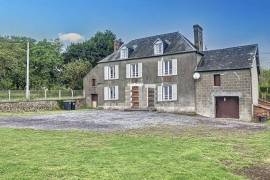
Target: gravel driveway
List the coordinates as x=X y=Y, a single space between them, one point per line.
x=99 y=120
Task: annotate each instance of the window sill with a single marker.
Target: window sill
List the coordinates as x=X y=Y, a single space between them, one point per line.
x=168 y=100
x=168 y=75
x=111 y=100
x=110 y=79
x=134 y=78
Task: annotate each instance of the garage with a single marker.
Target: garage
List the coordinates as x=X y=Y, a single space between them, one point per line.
x=227 y=107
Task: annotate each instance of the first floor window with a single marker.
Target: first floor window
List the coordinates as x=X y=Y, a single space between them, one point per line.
x=217 y=81
x=134 y=70
x=111 y=93
x=111 y=72
x=167 y=92
x=168 y=67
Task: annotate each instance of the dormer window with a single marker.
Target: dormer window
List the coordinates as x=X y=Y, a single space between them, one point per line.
x=158 y=47
x=124 y=53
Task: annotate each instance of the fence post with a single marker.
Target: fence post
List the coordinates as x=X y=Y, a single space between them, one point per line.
x=59 y=94
x=9 y=95
x=72 y=93
x=45 y=93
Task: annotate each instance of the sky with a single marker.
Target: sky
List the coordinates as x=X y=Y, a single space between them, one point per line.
x=226 y=23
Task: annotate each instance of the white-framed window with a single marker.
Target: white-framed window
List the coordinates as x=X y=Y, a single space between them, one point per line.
x=167 y=92
x=158 y=47
x=111 y=72
x=134 y=70
x=111 y=93
x=124 y=53
x=167 y=67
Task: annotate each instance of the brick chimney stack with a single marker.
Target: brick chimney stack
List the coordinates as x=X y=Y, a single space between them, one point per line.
x=117 y=44
x=198 y=37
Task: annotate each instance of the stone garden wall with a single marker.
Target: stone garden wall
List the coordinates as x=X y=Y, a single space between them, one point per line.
x=33 y=106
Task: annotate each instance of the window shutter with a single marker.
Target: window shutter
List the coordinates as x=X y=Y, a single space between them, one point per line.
x=106 y=72
x=174 y=67
x=159 y=93
x=116 y=93
x=160 y=64
x=106 y=93
x=139 y=69
x=174 y=92
x=127 y=70
x=116 y=71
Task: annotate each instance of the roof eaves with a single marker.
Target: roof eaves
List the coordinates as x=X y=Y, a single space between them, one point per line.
x=168 y=54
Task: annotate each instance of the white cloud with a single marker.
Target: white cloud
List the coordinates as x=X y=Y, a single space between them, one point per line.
x=70 y=37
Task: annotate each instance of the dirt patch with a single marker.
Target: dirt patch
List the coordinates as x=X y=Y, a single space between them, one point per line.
x=257 y=172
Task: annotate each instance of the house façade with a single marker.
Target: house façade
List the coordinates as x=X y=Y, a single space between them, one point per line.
x=168 y=73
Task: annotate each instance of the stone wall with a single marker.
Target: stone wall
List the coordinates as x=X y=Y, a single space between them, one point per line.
x=28 y=106
x=233 y=83
x=33 y=106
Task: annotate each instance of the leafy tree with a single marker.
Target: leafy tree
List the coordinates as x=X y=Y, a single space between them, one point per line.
x=74 y=72
x=49 y=67
x=46 y=64
x=92 y=50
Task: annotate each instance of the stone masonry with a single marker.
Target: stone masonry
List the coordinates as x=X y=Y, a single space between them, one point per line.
x=233 y=83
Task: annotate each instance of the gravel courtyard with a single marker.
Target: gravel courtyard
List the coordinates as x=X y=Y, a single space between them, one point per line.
x=99 y=120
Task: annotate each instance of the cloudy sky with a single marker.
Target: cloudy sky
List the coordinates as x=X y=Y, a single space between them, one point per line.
x=226 y=23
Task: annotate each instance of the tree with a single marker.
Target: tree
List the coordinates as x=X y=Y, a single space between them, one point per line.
x=74 y=72
x=92 y=50
x=46 y=64
x=12 y=62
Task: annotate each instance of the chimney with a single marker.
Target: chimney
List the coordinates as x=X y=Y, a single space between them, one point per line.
x=117 y=44
x=198 y=37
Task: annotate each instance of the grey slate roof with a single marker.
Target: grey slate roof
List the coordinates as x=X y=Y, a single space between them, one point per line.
x=230 y=58
x=144 y=47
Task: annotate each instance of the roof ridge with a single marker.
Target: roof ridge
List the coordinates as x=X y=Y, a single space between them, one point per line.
x=152 y=36
x=232 y=47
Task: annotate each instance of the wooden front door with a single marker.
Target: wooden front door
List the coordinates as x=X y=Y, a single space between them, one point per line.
x=151 y=97
x=227 y=107
x=135 y=98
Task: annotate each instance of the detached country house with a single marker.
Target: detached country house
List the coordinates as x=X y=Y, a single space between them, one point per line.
x=168 y=73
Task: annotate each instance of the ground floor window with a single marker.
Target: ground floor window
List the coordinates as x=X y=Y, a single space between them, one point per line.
x=111 y=93
x=167 y=92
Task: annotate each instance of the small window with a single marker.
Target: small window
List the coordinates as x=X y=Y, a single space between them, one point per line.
x=124 y=53
x=158 y=47
x=93 y=82
x=217 y=81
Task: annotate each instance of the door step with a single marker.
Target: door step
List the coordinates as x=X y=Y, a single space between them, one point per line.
x=140 y=109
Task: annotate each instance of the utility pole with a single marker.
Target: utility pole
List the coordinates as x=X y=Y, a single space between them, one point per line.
x=27 y=93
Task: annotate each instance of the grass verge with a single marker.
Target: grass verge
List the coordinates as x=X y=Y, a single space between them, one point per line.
x=32 y=154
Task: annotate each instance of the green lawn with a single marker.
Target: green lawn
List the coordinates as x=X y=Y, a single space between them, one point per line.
x=146 y=154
